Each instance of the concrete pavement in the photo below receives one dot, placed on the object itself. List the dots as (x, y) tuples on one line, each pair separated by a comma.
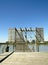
[(27, 58)]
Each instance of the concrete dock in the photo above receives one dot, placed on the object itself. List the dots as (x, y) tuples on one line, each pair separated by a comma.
[(27, 58)]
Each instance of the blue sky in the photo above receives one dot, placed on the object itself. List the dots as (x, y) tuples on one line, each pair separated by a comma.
[(23, 13)]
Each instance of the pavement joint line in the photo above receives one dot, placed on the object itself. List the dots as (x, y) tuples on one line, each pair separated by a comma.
[(6, 57)]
